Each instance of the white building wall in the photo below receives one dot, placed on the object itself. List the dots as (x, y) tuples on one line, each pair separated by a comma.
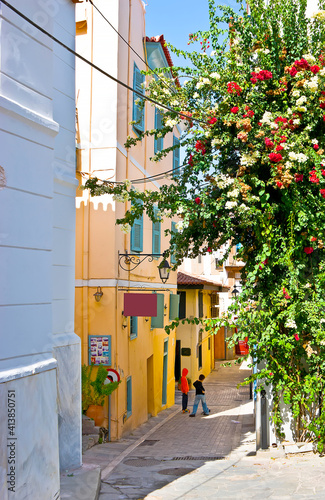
[(37, 251)]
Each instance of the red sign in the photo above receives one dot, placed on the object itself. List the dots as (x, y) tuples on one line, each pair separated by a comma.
[(140, 304)]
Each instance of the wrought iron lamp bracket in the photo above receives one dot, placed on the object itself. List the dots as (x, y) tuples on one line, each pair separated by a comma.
[(133, 260)]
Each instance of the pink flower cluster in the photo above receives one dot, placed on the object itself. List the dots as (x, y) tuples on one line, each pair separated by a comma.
[(285, 293), (313, 177), (200, 146)]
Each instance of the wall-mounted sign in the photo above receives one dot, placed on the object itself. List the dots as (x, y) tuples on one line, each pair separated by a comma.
[(99, 347), (186, 351), (140, 304)]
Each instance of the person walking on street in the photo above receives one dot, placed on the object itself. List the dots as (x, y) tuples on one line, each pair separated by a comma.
[(199, 396), (184, 388)]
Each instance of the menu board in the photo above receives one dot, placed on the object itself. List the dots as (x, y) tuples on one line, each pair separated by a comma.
[(100, 350)]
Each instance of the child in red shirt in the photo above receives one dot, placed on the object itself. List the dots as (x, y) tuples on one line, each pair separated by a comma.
[(184, 389)]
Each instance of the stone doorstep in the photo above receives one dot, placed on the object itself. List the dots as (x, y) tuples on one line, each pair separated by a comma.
[(298, 447)]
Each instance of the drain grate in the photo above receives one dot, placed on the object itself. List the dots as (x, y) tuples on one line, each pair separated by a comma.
[(206, 459), (149, 442)]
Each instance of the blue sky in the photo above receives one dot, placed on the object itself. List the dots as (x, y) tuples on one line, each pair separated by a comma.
[(175, 19)]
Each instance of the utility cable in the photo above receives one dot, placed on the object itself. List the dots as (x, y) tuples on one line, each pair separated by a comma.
[(100, 70), (127, 43)]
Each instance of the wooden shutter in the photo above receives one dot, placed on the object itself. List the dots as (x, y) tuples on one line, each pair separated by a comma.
[(215, 305), (158, 321), (156, 234), (172, 256), (173, 306), (137, 236), (129, 396), (138, 110), (158, 125), (200, 305), (133, 327), (182, 305), (176, 153)]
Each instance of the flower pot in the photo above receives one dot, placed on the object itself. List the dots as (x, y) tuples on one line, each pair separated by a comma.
[(97, 414)]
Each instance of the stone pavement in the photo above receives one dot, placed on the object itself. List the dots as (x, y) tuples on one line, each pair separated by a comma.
[(207, 457)]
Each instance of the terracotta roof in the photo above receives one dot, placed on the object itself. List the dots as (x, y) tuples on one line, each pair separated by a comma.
[(160, 39), (191, 280)]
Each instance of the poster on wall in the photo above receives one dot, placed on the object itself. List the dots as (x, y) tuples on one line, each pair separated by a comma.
[(100, 349)]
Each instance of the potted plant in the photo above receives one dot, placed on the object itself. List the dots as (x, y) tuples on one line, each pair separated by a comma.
[(95, 391)]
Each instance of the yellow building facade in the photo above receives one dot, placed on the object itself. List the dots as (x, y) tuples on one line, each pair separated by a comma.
[(136, 347)]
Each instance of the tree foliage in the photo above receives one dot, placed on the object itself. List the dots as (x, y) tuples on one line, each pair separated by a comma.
[(253, 107)]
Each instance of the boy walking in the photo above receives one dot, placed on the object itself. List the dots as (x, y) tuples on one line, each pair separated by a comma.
[(199, 396), (184, 389)]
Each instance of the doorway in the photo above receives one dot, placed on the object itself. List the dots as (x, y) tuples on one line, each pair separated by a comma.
[(150, 393), (177, 360)]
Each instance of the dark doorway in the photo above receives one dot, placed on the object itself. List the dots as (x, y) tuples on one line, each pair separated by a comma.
[(178, 360)]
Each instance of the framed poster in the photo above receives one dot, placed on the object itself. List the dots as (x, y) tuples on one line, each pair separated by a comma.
[(99, 348)]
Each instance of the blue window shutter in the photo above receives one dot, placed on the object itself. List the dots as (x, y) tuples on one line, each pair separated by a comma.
[(129, 396), (173, 306), (172, 256), (136, 243), (175, 157), (158, 321), (138, 111), (133, 327), (156, 234), (158, 125)]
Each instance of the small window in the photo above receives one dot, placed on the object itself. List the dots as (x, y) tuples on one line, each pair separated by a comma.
[(182, 305), (133, 327), (200, 305), (156, 234), (129, 397), (138, 109), (172, 256), (176, 154), (136, 243), (159, 142)]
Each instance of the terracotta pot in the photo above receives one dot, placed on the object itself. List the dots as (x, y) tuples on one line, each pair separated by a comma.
[(97, 414)]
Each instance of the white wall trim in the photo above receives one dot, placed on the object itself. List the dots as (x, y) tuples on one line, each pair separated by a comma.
[(27, 371), (93, 283), (145, 172), (121, 149)]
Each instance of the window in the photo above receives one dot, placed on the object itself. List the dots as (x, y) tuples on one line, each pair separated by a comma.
[(129, 397), (159, 142), (200, 305), (133, 327), (215, 305), (156, 234), (182, 305), (136, 243), (172, 256), (176, 152), (138, 109), (165, 367)]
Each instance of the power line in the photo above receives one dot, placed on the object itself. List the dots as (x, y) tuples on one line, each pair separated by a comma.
[(142, 96), (127, 43)]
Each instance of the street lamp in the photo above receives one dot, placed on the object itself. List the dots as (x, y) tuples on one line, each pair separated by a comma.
[(235, 292), (133, 260)]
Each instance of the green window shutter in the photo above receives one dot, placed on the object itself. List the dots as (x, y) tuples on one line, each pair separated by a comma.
[(156, 234), (158, 125), (138, 110), (136, 243), (133, 327), (129, 396), (200, 305), (176, 153), (173, 306), (158, 321), (172, 256)]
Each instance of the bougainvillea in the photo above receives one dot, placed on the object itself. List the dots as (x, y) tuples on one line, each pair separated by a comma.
[(253, 108)]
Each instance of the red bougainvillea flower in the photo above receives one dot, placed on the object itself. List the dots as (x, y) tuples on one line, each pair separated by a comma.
[(293, 71), (279, 147), (279, 184), (263, 263), (233, 87), (275, 157), (322, 105), (322, 192), (198, 200), (308, 250), (302, 64), (234, 110), (268, 143), (285, 293), (212, 120), (259, 124), (316, 147), (313, 177), (296, 336), (280, 119), (283, 138), (264, 74), (209, 249), (313, 238), (190, 160), (324, 118), (299, 177), (199, 146), (314, 69)]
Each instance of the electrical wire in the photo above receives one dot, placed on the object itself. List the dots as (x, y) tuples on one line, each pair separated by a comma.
[(127, 43), (100, 70)]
